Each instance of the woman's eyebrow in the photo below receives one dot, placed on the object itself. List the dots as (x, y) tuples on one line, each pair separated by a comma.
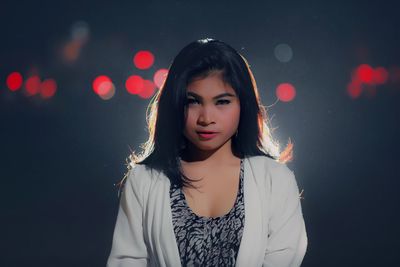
[(215, 97)]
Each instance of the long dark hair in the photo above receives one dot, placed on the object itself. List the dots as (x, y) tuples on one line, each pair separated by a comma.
[(165, 114)]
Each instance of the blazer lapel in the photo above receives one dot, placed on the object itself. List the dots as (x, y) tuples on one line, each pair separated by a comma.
[(169, 240), (250, 250)]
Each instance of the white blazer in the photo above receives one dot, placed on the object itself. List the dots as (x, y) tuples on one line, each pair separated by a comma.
[(274, 233)]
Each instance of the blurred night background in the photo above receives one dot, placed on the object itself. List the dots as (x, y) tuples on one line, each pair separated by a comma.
[(76, 79)]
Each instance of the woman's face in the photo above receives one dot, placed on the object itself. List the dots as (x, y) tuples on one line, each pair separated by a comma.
[(212, 106)]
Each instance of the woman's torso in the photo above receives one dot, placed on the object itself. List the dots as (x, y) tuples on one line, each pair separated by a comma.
[(210, 232)]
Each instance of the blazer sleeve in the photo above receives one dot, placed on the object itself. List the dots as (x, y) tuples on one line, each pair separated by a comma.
[(287, 238), (128, 246)]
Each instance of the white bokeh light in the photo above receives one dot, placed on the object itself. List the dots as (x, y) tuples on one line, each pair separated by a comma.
[(283, 52)]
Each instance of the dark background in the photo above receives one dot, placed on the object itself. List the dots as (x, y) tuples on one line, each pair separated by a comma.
[(61, 157)]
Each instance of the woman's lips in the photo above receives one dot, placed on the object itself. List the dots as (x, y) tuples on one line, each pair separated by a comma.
[(207, 135)]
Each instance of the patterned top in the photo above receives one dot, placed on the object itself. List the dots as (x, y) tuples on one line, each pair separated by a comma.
[(207, 241)]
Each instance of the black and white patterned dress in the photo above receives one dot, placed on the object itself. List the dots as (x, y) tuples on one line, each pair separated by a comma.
[(204, 241)]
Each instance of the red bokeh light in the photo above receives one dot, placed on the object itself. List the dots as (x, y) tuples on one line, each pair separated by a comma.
[(32, 85), (159, 77), (101, 83), (48, 88), (364, 73), (380, 76), (285, 92), (14, 81), (148, 89), (143, 59), (134, 84), (354, 89)]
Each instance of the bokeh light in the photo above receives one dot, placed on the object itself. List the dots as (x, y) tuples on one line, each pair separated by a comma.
[(285, 92), (365, 78), (14, 81), (103, 87), (48, 88), (364, 73), (71, 51), (159, 77), (98, 81), (354, 89), (380, 75), (79, 37), (148, 89), (283, 52), (32, 85), (106, 90), (134, 84), (143, 59), (80, 31)]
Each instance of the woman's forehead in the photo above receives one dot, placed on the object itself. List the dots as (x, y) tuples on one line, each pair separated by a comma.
[(210, 85)]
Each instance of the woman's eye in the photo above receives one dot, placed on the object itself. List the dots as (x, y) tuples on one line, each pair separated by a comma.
[(191, 100), (224, 101)]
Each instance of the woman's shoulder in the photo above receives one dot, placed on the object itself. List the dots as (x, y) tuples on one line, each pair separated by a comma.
[(136, 178), (269, 163), (275, 172), (140, 174)]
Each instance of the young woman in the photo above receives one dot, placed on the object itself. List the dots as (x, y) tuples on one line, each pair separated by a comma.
[(211, 187)]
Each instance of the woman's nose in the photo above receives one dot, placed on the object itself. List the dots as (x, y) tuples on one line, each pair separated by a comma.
[(205, 116)]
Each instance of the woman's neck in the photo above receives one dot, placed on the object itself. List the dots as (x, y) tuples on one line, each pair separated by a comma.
[(222, 155)]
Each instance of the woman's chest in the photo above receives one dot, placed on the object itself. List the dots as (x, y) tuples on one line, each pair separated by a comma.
[(216, 192)]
